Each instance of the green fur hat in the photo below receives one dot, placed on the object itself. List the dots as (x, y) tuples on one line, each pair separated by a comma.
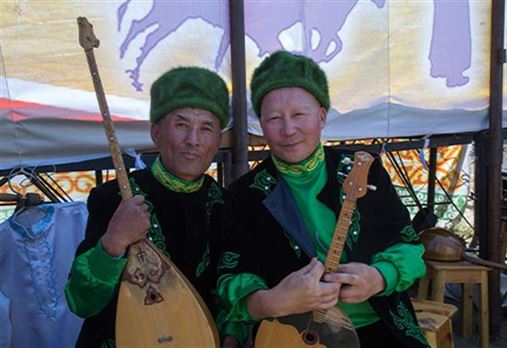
[(189, 87), (284, 69)]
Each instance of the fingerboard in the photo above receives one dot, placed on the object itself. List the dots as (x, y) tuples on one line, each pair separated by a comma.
[(355, 187), (340, 236)]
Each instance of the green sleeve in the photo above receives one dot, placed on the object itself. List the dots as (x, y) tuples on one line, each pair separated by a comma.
[(231, 328), (400, 265), (94, 278), (233, 290)]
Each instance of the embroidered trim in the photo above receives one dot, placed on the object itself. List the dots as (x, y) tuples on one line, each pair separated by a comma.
[(204, 262), (155, 231), (228, 260), (293, 244), (214, 195), (405, 321), (264, 181), (109, 343), (408, 234), (40, 256), (305, 166), (355, 227), (172, 182), (344, 168)]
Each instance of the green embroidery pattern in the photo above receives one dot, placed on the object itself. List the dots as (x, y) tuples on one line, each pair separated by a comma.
[(408, 234), (214, 197), (355, 227), (228, 260), (293, 244), (305, 166), (264, 181), (405, 321), (204, 263), (109, 343), (344, 168), (155, 231), (173, 183)]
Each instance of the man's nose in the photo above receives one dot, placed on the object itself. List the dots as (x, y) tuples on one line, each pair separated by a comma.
[(192, 137), (288, 127)]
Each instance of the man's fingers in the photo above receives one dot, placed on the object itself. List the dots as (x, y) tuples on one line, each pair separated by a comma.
[(350, 295), (329, 304), (138, 199), (328, 291), (317, 270), (307, 268), (351, 267), (345, 278)]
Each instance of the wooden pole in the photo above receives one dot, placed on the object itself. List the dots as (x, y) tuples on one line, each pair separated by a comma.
[(431, 178), (240, 130), (494, 145)]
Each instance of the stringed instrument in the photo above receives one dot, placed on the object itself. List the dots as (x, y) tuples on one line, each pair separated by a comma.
[(441, 244), (323, 328), (157, 305)]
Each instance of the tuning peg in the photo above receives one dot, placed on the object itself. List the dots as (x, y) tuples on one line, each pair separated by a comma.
[(372, 187), (347, 160)]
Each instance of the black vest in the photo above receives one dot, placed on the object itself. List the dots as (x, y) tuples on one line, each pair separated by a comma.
[(191, 224), (271, 238)]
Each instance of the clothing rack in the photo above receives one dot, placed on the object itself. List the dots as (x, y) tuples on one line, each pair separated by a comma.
[(28, 200), (41, 180)]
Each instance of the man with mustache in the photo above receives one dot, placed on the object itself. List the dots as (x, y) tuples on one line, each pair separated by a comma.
[(286, 211), (175, 204)]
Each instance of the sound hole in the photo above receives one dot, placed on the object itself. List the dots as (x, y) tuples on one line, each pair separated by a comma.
[(310, 337)]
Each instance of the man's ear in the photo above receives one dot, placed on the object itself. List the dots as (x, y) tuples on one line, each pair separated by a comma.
[(323, 117), (155, 134)]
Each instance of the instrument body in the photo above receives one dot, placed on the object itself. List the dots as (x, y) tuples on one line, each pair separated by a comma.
[(443, 245), (323, 328), (157, 305)]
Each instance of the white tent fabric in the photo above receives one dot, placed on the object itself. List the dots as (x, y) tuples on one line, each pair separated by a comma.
[(394, 68)]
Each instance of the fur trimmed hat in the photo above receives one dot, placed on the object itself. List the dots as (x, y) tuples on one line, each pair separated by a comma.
[(189, 87), (284, 69)]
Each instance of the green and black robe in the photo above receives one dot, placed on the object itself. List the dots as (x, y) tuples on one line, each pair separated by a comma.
[(280, 226), (186, 224)]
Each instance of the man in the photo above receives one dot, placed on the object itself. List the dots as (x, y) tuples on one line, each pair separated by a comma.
[(287, 209), (175, 204)]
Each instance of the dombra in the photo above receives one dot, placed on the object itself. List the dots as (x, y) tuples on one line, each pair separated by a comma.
[(443, 245), (323, 328), (157, 306)]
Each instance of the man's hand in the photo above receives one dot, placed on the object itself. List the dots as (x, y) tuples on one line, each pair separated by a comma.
[(359, 281), (129, 224), (299, 292)]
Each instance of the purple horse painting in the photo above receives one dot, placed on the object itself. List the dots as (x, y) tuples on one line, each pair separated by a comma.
[(265, 21)]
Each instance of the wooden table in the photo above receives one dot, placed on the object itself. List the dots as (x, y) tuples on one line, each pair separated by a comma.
[(467, 274)]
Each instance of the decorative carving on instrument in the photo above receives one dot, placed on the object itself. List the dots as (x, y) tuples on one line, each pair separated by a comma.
[(146, 268)]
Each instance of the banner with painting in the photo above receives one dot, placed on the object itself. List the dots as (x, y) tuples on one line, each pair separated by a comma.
[(395, 68)]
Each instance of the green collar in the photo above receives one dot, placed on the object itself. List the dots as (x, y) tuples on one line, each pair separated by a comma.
[(172, 182), (308, 165)]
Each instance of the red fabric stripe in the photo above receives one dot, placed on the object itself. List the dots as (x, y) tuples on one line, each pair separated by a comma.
[(19, 110)]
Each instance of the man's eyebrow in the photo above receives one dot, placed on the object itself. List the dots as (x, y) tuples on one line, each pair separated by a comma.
[(181, 117), (208, 123)]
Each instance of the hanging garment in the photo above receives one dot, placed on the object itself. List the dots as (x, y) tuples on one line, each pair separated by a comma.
[(37, 246), (5, 323)]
